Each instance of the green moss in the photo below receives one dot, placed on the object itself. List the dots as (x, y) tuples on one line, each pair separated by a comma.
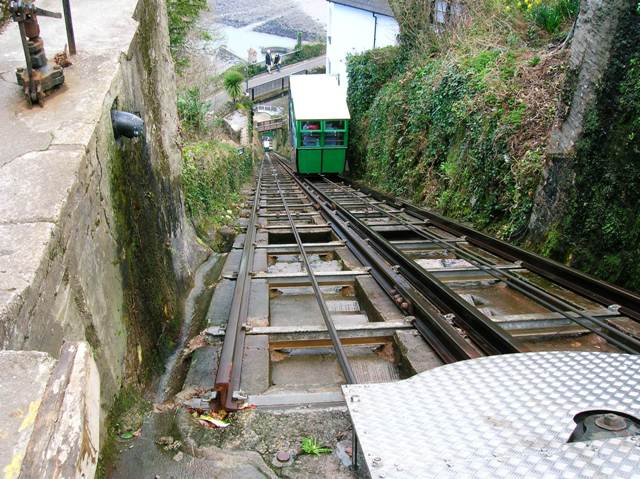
[(182, 15), (144, 222), (568, 91), (126, 416)]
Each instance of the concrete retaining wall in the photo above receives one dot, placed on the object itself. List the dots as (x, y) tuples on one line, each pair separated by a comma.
[(73, 224)]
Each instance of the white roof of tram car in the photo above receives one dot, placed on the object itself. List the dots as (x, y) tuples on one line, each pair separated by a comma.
[(318, 97)]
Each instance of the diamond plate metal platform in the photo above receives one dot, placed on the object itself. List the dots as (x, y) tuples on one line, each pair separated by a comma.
[(499, 417)]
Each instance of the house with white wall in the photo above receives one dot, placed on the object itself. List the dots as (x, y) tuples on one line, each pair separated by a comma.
[(356, 26)]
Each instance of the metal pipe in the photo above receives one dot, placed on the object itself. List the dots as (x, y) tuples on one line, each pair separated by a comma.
[(68, 21)]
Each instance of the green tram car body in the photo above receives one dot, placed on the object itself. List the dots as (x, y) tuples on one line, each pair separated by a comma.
[(319, 127)]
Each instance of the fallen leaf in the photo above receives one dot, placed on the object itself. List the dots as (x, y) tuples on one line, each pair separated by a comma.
[(213, 421)]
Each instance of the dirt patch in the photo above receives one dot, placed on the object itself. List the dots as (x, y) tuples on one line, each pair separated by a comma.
[(269, 432)]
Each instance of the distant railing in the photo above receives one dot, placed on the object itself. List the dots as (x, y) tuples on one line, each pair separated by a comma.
[(284, 60), (269, 125), (277, 110)]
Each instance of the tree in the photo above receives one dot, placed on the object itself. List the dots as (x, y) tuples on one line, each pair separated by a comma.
[(233, 84), (603, 32)]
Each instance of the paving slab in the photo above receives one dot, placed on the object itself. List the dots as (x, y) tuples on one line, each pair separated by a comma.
[(22, 249), (24, 378), (255, 365), (259, 303), (35, 186), (417, 354)]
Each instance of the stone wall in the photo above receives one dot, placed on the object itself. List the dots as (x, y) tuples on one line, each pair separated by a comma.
[(94, 242)]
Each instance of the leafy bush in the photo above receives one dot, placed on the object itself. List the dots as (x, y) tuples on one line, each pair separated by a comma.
[(232, 83), (212, 175), (368, 73), (192, 109), (182, 14), (549, 15), (452, 132)]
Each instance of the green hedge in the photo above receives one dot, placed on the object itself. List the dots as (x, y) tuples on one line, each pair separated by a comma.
[(439, 135), (212, 175)]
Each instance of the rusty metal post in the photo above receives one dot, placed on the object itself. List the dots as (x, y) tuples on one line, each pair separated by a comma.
[(68, 21)]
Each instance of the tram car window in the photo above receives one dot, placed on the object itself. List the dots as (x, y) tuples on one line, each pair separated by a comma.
[(319, 124)]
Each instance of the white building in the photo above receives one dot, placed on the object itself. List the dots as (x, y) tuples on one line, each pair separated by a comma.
[(356, 26)]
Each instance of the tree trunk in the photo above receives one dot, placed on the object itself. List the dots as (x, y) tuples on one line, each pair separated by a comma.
[(594, 41)]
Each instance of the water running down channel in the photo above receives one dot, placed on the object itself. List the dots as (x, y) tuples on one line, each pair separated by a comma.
[(194, 309)]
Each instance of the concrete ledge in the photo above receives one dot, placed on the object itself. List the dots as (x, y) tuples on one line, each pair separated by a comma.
[(55, 409)]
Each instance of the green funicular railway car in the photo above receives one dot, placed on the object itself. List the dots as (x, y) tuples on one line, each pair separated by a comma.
[(319, 124)]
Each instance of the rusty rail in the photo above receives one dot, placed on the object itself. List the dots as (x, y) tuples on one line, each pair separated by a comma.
[(227, 383), (550, 301)]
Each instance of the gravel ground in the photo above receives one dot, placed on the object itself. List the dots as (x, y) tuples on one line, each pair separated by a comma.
[(270, 432), (277, 17), (293, 22)]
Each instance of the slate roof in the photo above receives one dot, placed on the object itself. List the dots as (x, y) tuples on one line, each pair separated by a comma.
[(375, 6)]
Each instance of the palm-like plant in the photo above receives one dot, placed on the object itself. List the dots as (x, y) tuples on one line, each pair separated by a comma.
[(233, 84)]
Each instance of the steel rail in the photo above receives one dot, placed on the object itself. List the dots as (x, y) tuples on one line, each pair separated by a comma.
[(558, 305), (491, 338), (444, 338), (574, 280), (227, 381), (341, 354)]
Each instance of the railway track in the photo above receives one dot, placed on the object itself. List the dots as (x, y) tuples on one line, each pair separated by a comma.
[(380, 270)]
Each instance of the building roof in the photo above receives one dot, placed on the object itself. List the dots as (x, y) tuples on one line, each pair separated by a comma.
[(375, 6), (318, 97)]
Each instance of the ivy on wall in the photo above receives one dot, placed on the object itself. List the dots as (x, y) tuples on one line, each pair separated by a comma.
[(442, 134)]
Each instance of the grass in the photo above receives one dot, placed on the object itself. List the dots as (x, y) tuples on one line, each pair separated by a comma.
[(311, 446), (548, 15)]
